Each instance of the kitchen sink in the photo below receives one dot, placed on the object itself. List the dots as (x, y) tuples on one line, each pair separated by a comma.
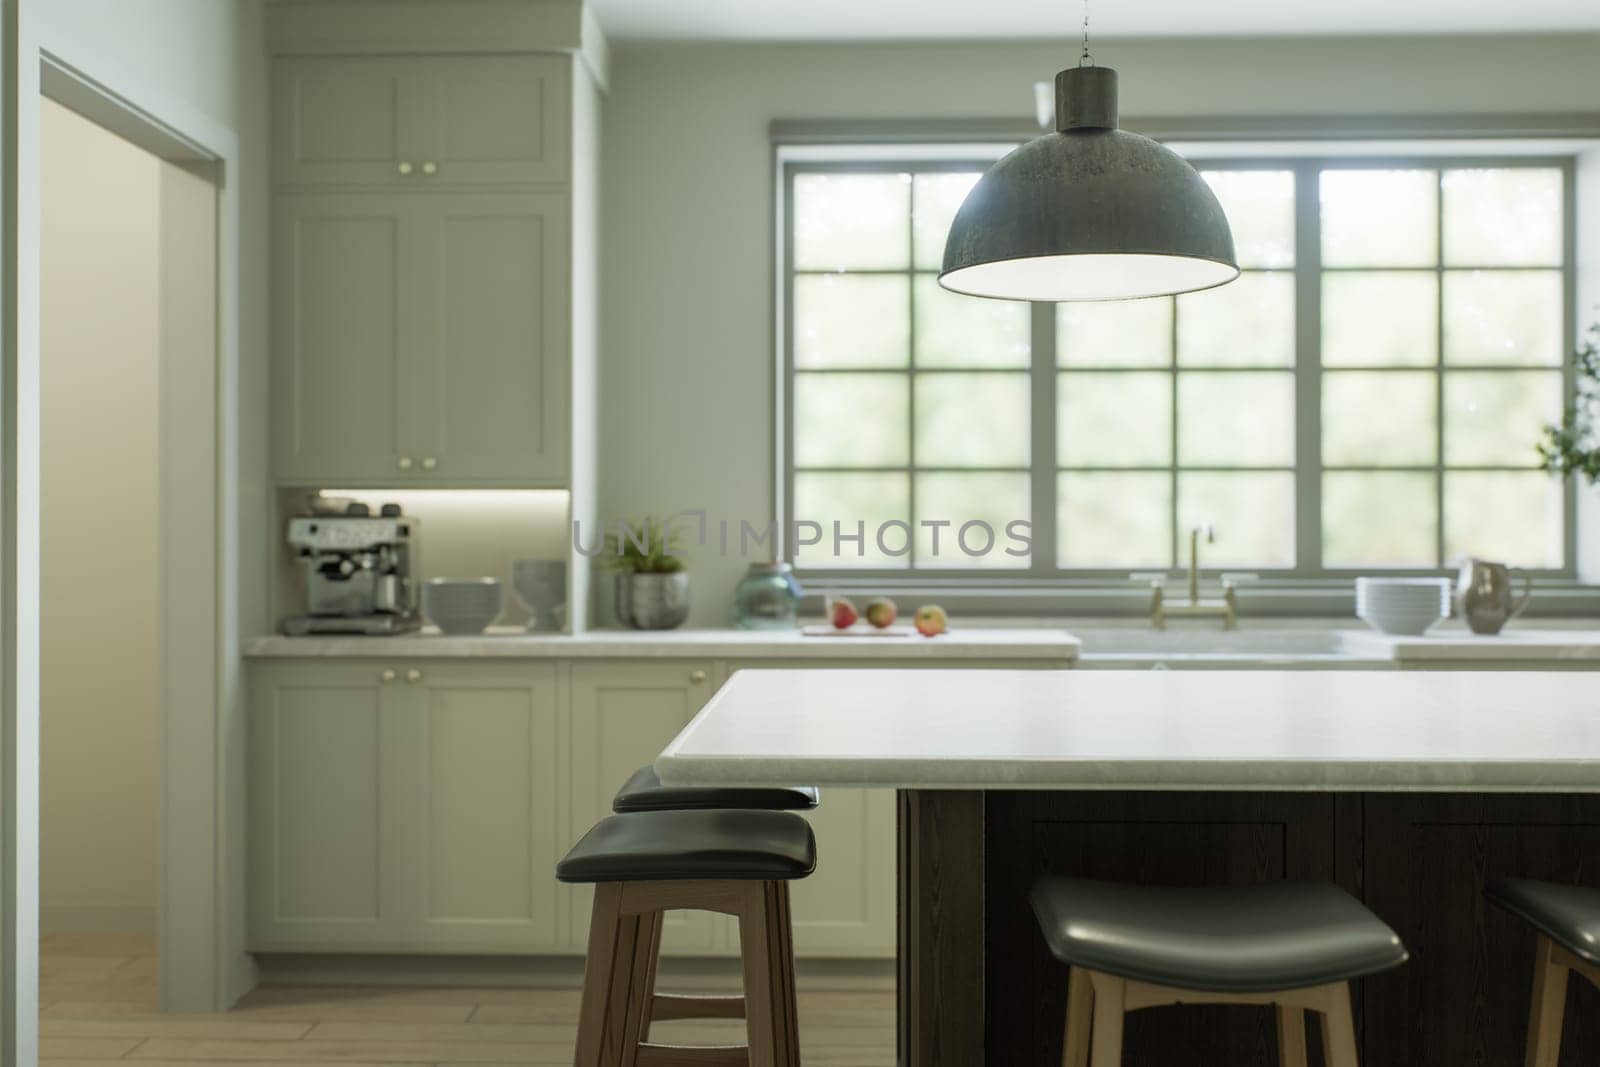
[(1123, 647)]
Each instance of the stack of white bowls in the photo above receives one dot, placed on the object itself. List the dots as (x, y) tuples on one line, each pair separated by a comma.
[(1402, 606), (464, 606)]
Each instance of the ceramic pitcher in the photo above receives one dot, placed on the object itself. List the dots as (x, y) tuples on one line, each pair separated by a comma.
[(1484, 597)]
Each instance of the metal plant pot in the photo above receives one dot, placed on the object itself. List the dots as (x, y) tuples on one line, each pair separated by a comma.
[(653, 601)]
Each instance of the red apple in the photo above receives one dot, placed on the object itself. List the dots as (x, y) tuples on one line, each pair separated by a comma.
[(931, 620), (881, 612), (844, 613)]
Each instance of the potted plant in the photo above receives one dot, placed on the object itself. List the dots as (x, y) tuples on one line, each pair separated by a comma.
[(652, 586), (1574, 446)]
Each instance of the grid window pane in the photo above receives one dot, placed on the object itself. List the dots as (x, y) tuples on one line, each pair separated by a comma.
[(1506, 515), (972, 420), (1379, 419), (851, 321), (1380, 218), (852, 221), (1379, 519), (980, 509), (1503, 217), (861, 502), (1115, 333), (967, 331), (1114, 419), (1442, 291), (1236, 419), (1494, 418), (851, 420), (1247, 323), (1503, 317), (935, 200), (1260, 209), (1114, 519), (1252, 514), (1380, 319)]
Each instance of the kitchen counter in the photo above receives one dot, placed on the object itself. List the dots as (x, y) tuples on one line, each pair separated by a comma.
[(1463, 646), (505, 643), (1407, 788), (1531, 731)]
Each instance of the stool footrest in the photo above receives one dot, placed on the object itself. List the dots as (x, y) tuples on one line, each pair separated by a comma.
[(664, 1006), (649, 1055)]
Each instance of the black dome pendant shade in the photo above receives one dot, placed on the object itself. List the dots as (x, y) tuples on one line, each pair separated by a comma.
[(1089, 212)]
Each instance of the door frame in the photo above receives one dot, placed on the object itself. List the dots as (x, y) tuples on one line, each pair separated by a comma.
[(202, 962)]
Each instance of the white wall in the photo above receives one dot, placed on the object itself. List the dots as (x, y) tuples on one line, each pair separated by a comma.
[(687, 233), (99, 341)]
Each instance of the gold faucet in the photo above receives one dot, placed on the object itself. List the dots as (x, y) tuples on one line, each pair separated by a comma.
[(1225, 608)]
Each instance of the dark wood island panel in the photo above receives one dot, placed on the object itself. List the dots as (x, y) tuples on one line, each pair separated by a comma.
[(1419, 860)]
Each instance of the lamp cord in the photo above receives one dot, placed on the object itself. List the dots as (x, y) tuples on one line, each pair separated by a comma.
[(1086, 60)]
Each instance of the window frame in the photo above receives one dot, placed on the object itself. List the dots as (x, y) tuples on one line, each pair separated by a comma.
[(1043, 570)]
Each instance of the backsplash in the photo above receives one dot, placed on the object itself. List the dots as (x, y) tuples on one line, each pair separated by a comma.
[(465, 533)]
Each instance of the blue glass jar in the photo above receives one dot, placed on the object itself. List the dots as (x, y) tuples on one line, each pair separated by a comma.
[(767, 598)]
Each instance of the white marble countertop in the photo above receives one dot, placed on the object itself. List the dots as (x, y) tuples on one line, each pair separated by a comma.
[(1476, 731), (1462, 646), (502, 643)]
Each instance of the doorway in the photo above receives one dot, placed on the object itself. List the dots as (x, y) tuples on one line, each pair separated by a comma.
[(128, 296)]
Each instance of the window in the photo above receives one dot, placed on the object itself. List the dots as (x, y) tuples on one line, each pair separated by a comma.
[(1366, 395)]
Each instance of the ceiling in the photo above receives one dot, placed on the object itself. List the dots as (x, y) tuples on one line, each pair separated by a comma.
[(800, 20)]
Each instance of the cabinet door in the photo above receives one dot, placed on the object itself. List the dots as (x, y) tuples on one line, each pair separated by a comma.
[(346, 120), (492, 395), (497, 119), (623, 715), (479, 762), (340, 340), (847, 907), (323, 837)]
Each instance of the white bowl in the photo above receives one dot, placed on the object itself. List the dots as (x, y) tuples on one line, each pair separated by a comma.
[(1402, 606), (462, 606)]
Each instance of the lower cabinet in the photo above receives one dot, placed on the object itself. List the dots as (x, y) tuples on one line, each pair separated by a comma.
[(421, 806), (404, 806)]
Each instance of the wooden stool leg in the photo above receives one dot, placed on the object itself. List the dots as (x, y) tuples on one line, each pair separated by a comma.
[(1548, 1008), (1080, 1012), (1339, 1029), (767, 947), (602, 1016), (641, 986), (1291, 1037), (1105, 1047)]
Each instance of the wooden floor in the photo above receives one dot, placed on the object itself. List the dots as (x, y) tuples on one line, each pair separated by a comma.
[(98, 1005)]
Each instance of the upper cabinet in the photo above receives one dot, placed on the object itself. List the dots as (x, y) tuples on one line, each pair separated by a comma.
[(428, 322), (421, 339), (421, 122)]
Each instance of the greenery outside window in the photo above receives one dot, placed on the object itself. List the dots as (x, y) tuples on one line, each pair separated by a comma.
[(1367, 396)]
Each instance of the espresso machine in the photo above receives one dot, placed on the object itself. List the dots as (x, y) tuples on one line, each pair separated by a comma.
[(358, 572)]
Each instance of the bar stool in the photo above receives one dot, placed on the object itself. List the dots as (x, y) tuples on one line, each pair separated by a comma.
[(1567, 918), (643, 791), (1292, 945), (736, 862)]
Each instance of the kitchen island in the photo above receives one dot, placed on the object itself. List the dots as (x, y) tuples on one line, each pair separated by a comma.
[(1409, 789)]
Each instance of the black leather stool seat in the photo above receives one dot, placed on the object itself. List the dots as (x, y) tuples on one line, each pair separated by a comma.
[(1568, 914), (1220, 939), (719, 845), (644, 792)]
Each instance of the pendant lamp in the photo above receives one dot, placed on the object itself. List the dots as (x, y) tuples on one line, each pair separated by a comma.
[(1089, 212)]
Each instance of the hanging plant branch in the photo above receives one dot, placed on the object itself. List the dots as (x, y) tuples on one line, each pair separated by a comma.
[(1573, 447)]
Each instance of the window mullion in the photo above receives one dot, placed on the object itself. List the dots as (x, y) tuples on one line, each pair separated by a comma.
[(1308, 369), (1042, 470)]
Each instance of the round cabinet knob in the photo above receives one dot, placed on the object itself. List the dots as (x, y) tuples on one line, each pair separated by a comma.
[(428, 463), (430, 167), (413, 675), (696, 677), (404, 463), (386, 676), (404, 168)]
